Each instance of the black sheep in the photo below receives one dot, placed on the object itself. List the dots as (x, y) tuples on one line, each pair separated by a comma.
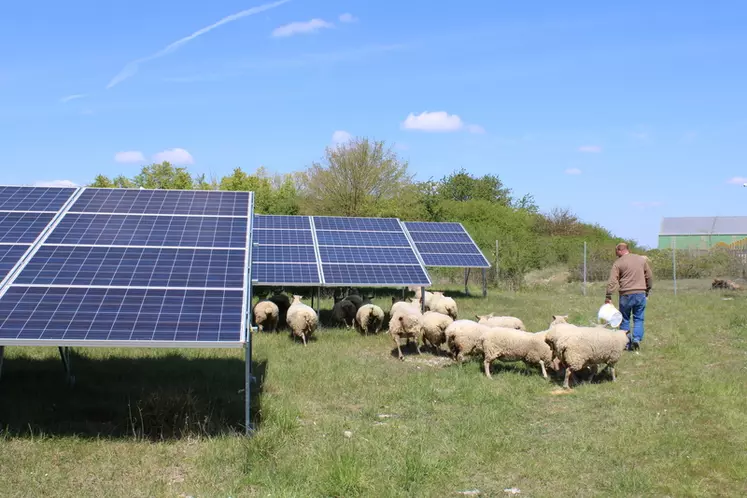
[(344, 311)]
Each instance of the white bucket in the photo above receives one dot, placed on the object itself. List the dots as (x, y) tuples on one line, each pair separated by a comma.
[(609, 314)]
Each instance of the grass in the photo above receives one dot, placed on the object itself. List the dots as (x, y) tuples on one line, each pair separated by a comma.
[(167, 423)]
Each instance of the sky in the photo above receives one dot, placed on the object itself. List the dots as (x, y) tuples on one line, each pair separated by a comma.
[(624, 112)]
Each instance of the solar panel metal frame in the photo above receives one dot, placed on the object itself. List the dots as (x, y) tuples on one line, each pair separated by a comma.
[(411, 244), (244, 335), (464, 230), (314, 245), (5, 281)]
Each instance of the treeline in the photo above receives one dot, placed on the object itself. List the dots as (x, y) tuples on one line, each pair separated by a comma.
[(367, 178)]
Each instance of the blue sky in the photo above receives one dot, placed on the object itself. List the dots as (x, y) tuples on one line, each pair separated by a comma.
[(623, 111)]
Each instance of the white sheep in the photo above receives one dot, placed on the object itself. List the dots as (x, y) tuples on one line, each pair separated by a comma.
[(404, 307), (369, 318), (510, 322), (266, 315), (418, 294), (405, 325), (434, 326), (463, 338), (301, 319), (509, 344), (592, 346), (443, 304)]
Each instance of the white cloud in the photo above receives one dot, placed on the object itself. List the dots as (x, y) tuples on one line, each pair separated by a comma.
[(68, 98), (340, 137), (301, 27), (132, 67), (130, 156), (433, 121), (55, 183), (573, 171), (737, 180), (347, 17), (174, 156), (590, 148), (646, 204)]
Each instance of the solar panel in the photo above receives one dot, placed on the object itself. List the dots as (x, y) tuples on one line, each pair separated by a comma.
[(367, 251), (445, 244), (9, 257), (283, 251), (46, 199), (136, 267), (23, 228)]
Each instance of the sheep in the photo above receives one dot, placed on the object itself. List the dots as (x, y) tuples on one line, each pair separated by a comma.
[(510, 322), (283, 303), (508, 344), (344, 312), (302, 319), (369, 317), (592, 346), (434, 327), (443, 304), (418, 296), (463, 338), (403, 324), (266, 315), (404, 307), (356, 300)]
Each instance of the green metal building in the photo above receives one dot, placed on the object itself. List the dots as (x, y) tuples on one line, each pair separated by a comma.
[(703, 232)]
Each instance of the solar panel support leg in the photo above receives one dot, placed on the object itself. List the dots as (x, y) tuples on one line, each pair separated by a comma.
[(422, 299), (65, 355), (318, 303), (466, 281), (2, 355), (248, 388), (484, 283)]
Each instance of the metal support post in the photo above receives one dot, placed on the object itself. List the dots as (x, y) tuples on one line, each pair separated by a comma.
[(484, 282), (2, 355), (65, 356), (584, 268), (466, 281), (248, 387), (422, 299)]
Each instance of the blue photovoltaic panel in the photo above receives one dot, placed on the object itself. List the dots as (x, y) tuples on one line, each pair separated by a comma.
[(283, 254), (283, 237), (23, 228), (355, 224), (173, 275), (134, 267), (50, 199), (445, 244), (95, 314), (136, 230), (9, 256), (347, 274), (447, 248), (440, 237), (194, 202), (371, 239), (282, 222), (285, 273), (369, 255), (367, 251)]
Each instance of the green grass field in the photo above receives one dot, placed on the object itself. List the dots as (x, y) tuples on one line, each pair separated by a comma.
[(168, 423)]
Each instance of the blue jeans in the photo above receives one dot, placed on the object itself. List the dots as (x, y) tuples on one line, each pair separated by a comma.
[(635, 304)]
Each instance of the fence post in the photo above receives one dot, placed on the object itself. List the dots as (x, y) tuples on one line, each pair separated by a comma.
[(584, 268), (497, 267), (674, 263)]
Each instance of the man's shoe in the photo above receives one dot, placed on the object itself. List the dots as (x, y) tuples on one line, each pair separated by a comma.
[(635, 346)]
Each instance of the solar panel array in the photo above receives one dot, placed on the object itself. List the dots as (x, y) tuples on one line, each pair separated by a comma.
[(445, 244), (284, 252), (25, 212), (129, 267)]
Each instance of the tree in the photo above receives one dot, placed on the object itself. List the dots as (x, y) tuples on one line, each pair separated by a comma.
[(258, 183), (461, 186), (102, 181), (163, 176), (358, 178), (284, 199)]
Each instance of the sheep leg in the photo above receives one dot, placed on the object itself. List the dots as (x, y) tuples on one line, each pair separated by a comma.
[(568, 373), (544, 372), (612, 371), (395, 338), (486, 365), (303, 338)]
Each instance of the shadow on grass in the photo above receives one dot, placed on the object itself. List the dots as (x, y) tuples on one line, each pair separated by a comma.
[(149, 398)]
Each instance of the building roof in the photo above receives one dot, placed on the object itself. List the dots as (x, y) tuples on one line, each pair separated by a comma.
[(704, 225)]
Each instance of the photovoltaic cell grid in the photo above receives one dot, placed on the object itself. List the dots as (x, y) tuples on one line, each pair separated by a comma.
[(283, 251), (445, 244), (367, 251), (136, 266), (25, 212)]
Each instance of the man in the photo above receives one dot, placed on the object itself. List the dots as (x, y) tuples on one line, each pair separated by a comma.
[(632, 275)]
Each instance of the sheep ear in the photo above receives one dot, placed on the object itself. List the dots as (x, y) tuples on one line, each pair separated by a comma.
[(554, 317)]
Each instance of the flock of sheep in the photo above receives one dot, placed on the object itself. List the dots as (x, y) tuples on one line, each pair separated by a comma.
[(562, 346)]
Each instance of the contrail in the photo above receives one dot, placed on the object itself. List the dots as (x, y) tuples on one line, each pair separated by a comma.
[(131, 68)]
